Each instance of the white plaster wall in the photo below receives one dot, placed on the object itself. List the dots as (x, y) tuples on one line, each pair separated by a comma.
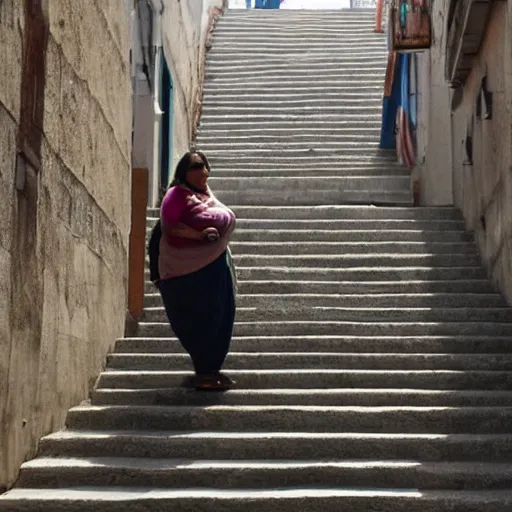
[(185, 26), (435, 149)]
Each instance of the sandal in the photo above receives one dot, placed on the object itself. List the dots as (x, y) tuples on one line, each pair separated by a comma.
[(213, 382), (226, 380)]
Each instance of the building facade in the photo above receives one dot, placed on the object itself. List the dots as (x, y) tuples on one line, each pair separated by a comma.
[(463, 130)]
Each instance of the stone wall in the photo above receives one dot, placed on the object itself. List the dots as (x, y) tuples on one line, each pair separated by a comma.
[(483, 189), (64, 230)]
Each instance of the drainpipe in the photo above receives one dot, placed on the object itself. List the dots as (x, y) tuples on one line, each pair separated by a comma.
[(158, 8), (378, 16)]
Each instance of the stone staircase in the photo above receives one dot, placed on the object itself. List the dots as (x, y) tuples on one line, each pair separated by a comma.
[(372, 355)]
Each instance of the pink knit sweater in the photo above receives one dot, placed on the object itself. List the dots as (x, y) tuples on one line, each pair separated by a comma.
[(181, 256)]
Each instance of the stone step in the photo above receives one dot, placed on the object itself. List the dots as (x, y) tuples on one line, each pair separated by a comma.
[(349, 160), (327, 80), (305, 149), (339, 212), (277, 119), (347, 328), (280, 299), (260, 474), (262, 60), (318, 360), (241, 32), (277, 445), (286, 157), (275, 73), (338, 313), (354, 151), (356, 172), (360, 240), (292, 124), (350, 248), (292, 249), (289, 124), (439, 420), (343, 261), (315, 63), (464, 290), (310, 499), (323, 105), (348, 225), (357, 275), (320, 92), (456, 344), (307, 379), (354, 235), (261, 149), (341, 397), (270, 108), (297, 44), (316, 197), (282, 137)]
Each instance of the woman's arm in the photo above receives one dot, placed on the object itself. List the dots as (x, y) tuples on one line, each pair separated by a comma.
[(183, 231)]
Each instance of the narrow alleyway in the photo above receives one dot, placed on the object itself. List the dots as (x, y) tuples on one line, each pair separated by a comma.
[(372, 356)]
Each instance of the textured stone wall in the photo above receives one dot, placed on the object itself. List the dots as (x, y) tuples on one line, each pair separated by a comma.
[(484, 189), (64, 235)]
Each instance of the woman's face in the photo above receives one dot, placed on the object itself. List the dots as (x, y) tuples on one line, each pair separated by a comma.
[(197, 174)]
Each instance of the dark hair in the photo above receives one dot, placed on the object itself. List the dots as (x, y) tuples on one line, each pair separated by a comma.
[(180, 174)]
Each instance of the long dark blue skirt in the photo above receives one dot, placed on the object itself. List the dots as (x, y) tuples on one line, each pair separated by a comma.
[(201, 310)]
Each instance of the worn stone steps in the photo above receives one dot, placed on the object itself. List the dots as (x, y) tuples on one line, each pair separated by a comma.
[(237, 62), (427, 293), (307, 379), (337, 212), (344, 261), (283, 91), (353, 235), (351, 247), (290, 75), (280, 299), (299, 173), (350, 289), (278, 445), (325, 360), (271, 135), (260, 474), (364, 275), (291, 313), (310, 499), (457, 344), (315, 197), (343, 397), (441, 420), (257, 147), (349, 328), (348, 225)]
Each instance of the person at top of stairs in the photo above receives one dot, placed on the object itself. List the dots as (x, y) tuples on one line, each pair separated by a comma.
[(194, 269)]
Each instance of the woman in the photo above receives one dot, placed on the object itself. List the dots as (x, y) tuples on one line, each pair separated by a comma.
[(195, 270)]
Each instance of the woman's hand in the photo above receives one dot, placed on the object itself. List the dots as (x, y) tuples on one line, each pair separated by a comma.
[(210, 235)]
